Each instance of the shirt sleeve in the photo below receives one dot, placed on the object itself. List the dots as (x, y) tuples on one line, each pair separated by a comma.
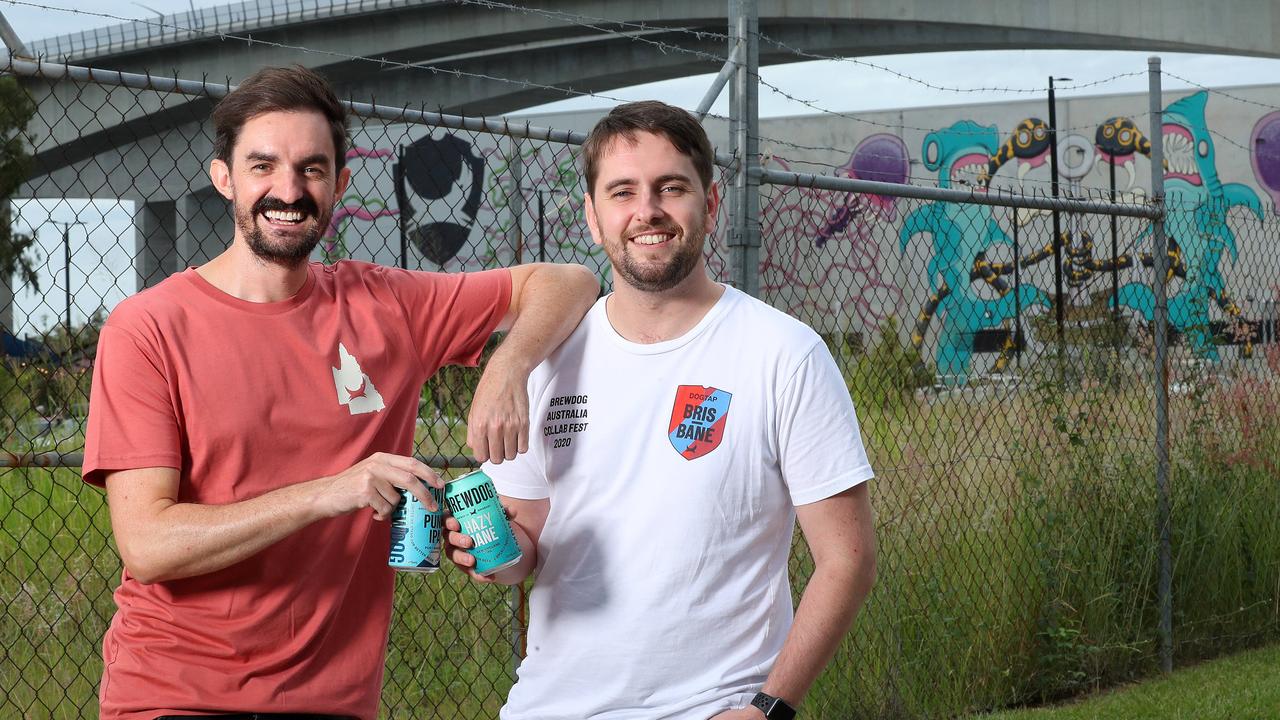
[(819, 442), (132, 421), (451, 315)]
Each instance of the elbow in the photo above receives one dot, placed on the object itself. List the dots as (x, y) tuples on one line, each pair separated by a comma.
[(868, 572), (145, 568), (585, 281)]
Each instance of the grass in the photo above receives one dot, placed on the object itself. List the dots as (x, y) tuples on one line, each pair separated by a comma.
[(1018, 560), (1245, 686)]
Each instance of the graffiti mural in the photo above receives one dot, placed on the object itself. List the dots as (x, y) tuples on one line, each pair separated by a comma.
[(962, 237), (1197, 203)]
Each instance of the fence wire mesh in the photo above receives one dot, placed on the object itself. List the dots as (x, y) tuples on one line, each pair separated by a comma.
[(1012, 434)]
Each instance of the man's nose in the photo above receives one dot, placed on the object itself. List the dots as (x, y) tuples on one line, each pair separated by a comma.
[(649, 208), (288, 187)]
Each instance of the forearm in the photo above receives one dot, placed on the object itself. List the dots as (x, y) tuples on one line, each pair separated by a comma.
[(830, 602), (552, 300), (180, 540)]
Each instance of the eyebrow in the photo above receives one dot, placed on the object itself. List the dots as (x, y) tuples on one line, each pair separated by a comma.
[(260, 156), (679, 177)]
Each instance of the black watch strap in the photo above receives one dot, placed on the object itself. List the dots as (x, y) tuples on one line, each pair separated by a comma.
[(774, 708)]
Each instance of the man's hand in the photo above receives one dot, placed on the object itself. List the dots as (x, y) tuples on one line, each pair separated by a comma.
[(498, 422), (374, 483), (547, 301), (527, 526), (457, 547)]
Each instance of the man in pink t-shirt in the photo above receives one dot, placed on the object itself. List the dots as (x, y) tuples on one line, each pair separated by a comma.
[(252, 422)]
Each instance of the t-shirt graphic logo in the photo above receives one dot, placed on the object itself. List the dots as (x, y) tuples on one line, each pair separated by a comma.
[(355, 389), (698, 420)]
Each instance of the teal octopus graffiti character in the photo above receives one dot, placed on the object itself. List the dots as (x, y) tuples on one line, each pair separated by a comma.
[(1197, 204), (962, 233)]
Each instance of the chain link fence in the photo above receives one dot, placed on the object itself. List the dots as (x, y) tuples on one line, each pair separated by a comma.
[(1013, 435)]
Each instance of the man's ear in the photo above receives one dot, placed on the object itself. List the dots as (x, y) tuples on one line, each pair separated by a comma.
[(713, 207), (340, 187), (220, 174), (589, 209)]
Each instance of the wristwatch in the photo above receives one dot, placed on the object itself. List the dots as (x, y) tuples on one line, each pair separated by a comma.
[(774, 708)]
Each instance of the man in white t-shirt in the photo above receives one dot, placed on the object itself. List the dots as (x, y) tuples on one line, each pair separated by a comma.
[(678, 434)]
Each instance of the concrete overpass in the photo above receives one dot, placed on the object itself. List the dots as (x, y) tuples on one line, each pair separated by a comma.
[(88, 144)]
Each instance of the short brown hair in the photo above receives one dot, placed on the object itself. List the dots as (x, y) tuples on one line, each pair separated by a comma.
[(676, 125), (275, 89)]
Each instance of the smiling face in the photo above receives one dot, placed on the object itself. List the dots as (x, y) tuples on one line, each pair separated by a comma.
[(649, 210), (283, 183)]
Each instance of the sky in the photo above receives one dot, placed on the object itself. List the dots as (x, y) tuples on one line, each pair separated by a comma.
[(840, 86)]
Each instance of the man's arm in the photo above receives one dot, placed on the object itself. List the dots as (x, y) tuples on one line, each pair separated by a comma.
[(841, 535), (528, 517), (162, 539), (547, 302)]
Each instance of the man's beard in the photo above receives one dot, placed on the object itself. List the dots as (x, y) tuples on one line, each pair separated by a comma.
[(655, 277), (289, 251)]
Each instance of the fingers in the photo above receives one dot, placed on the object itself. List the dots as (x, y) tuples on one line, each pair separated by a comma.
[(478, 440), (457, 547), (498, 440)]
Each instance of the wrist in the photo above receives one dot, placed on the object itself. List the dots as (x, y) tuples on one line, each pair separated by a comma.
[(773, 707), (510, 361)]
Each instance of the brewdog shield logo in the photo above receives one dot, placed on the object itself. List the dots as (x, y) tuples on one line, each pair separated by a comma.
[(698, 420)]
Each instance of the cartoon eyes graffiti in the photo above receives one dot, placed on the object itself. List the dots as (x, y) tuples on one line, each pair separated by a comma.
[(1126, 136), (1108, 132), (1203, 148), (931, 153), (1040, 132), (1023, 138)]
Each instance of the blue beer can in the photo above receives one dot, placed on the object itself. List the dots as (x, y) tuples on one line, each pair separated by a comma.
[(473, 500), (415, 534)]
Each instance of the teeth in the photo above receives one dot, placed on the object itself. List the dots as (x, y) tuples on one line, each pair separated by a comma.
[(649, 239), (1178, 149), (280, 216)]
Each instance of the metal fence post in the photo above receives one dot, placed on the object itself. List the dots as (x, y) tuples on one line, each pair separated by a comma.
[(744, 208), (1160, 258)]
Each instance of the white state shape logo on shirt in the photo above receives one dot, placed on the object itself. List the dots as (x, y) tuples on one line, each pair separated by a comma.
[(355, 389)]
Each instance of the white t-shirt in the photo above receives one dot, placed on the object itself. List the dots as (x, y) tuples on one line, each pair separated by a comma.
[(672, 470)]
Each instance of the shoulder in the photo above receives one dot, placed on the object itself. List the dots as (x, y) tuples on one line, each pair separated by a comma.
[(770, 327), (359, 272), (153, 306)]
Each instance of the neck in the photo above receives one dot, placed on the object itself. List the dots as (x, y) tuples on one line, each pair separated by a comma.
[(652, 317), (242, 274)]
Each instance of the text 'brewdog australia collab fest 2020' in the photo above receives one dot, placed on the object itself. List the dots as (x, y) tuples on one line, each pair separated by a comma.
[(415, 534), (473, 500)]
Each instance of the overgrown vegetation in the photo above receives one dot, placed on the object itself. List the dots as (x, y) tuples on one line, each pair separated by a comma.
[(1017, 531)]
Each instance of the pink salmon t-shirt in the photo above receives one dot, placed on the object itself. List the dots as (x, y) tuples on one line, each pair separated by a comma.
[(244, 398)]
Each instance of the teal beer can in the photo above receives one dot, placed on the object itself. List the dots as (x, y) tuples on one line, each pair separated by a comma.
[(415, 534), (473, 500)]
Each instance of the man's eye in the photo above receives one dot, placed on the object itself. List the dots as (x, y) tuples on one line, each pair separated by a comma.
[(673, 189), (622, 194)]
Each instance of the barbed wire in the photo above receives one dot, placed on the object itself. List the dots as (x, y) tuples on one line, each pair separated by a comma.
[(934, 86), (580, 20), (586, 20), (382, 62), (1223, 93)]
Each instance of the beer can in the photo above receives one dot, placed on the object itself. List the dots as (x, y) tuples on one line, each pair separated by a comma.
[(415, 533), (473, 500)]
